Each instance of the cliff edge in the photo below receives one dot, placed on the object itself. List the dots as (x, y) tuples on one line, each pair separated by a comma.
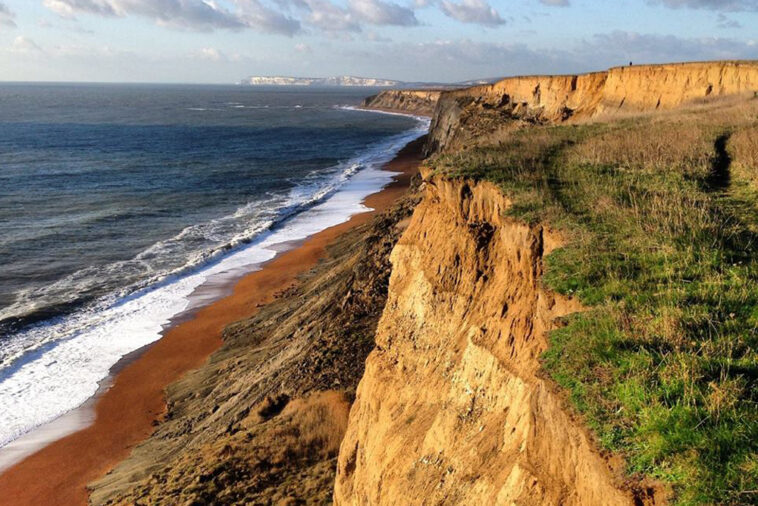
[(481, 390), (420, 102), (473, 114), (450, 409)]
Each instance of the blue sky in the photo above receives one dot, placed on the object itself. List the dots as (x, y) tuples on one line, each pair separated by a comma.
[(222, 41)]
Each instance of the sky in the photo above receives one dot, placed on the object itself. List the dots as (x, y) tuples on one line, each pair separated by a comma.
[(223, 41)]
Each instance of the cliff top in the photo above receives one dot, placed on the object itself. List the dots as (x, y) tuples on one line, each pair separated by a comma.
[(660, 217)]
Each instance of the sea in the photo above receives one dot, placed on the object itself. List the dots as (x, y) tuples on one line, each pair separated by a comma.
[(119, 202)]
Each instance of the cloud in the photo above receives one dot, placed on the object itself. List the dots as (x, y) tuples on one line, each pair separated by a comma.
[(69, 8), (330, 17), (24, 45), (556, 3), (375, 37), (716, 5), (255, 15), (464, 59), (186, 14), (454, 60), (210, 54), (379, 12), (472, 11), (618, 47), (303, 48), (7, 16), (326, 16), (725, 22)]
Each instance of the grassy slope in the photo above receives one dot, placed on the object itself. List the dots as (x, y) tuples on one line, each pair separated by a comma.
[(661, 217)]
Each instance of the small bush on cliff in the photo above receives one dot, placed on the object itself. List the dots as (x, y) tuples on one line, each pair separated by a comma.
[(662, 219)]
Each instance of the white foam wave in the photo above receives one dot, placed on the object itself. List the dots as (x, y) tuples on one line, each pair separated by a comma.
[(423, 119), (195, 245), (77, 351)]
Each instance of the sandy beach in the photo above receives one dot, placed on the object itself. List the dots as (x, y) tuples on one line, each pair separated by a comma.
[(128, 411)]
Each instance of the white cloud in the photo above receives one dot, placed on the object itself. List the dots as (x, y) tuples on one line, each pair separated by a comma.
[(255, 15), (330, 17), (556, 3), (7, 16), (303, 48), (187, 14), (69, 8), (210, 54), (379, 12), (24, 45), (326, 16), (717, 5), (472, 11)]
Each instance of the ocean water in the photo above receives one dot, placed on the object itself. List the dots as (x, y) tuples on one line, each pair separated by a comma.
[(117, 202)]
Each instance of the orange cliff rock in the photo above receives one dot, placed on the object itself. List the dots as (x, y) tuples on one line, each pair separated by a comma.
[(554, 99), (420, 102), (451, 408)]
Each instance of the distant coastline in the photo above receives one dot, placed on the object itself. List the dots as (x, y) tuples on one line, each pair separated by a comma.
[(352, 81), (320, 81)]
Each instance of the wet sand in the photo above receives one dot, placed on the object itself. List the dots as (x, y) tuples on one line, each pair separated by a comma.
[(126, 413)]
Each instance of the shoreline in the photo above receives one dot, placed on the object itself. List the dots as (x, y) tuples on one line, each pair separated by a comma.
[(390, 111), (126, 413)]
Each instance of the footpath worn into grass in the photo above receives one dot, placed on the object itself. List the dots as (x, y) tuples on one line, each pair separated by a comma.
[(660, 216)]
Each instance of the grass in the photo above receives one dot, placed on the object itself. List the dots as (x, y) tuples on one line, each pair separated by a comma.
[(661, 216)]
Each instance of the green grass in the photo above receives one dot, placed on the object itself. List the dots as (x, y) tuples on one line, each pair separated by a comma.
[(662, 249)]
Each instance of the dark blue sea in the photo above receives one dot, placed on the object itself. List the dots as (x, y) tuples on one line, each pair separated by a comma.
[(117, 202)]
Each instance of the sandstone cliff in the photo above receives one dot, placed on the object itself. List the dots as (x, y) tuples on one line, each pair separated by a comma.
[(451, 409), (421, 102), (470, 114)]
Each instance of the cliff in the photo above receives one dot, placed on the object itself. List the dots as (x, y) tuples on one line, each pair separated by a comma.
[(421, 102), (460, 400), (489, 382), (478, 112), (451, 408)]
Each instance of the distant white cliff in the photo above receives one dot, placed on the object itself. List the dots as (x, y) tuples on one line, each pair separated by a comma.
[(319, 81)]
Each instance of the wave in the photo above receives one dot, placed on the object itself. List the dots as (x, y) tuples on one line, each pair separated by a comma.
[(422, 119), (55, 365), (191, 245)]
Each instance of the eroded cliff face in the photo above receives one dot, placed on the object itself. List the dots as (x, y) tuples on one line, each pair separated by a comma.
[(469, 115), (451, 408), (422, 102)]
